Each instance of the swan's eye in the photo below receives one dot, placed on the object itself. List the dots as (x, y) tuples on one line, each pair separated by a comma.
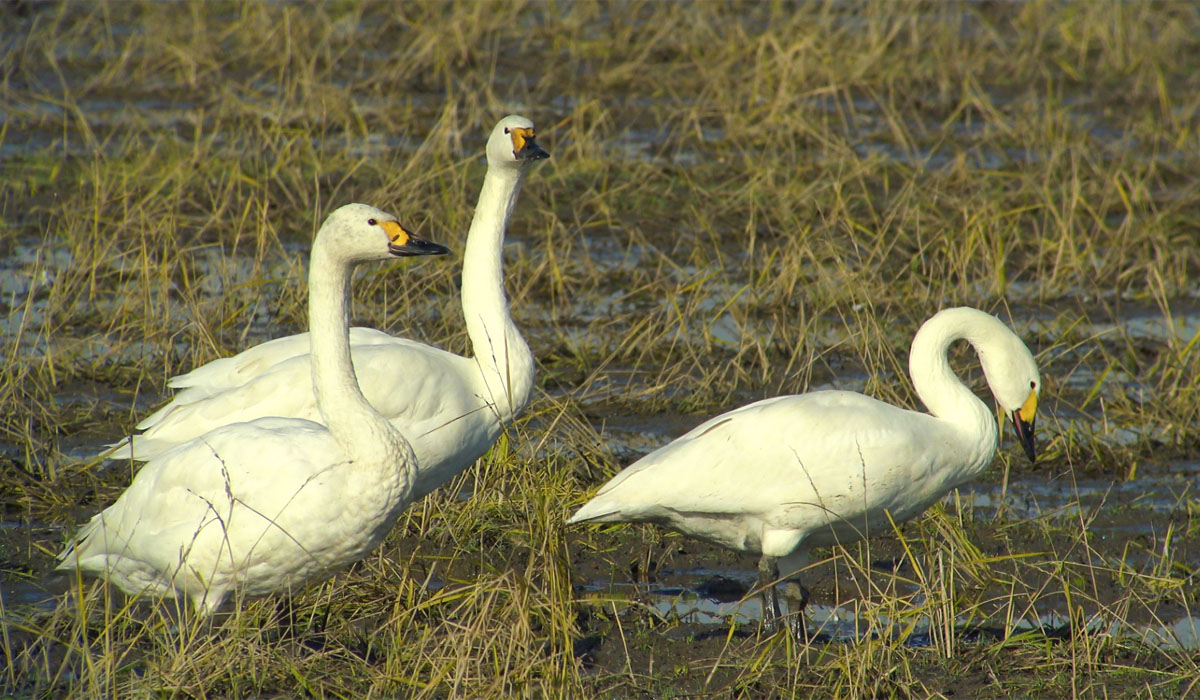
[(372, 222), (506, 129), (1032, 385)]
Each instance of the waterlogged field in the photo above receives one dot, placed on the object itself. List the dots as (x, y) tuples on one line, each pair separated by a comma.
[(744, 200)]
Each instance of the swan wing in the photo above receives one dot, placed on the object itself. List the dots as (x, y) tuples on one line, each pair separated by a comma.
[(785, 458), (227, 372), (431, 395)]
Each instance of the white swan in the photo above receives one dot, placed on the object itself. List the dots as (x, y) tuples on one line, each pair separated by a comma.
[(781, 476), (452, 408), (267, 505)]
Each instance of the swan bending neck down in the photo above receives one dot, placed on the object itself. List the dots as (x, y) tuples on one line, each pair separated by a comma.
[(270, 504), (781, 476), (452, 408)]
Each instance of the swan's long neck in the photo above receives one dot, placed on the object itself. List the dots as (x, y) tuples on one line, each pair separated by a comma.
[(942, 392), (503, 356), (363, 433)]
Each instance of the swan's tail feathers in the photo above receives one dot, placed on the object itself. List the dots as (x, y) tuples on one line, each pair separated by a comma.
[(68, 559), (222, 372), (591, 513), (121, 449), (126, 449), (139, 448)]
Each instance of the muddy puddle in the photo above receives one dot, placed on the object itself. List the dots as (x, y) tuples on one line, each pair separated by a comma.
[(705, 601), (716, 602), (1142, 524)]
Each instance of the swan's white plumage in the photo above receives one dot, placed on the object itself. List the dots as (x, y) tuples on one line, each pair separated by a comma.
[(783, 475), (452, 408), (742, 464), (229, 523), (229, 372), (269, 504)]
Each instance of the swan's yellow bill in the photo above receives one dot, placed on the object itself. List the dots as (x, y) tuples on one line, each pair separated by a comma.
[(1023, 421), (396, 233), (1029, 409), (524, 147), (402, 243)]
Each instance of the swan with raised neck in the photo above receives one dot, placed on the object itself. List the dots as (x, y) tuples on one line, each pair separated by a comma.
[(503, 356), (267, 505), (452, 408)]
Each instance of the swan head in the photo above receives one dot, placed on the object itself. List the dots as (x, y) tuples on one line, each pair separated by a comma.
[(361, 233), (512, 142), (1013, 377)]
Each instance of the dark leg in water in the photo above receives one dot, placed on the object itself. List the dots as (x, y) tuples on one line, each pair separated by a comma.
[(768, 573), (797, 599), (795, 595)]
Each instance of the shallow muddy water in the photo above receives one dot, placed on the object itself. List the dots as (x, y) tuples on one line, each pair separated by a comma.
[(1130, 525)]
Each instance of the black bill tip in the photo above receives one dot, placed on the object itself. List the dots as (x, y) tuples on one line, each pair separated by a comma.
[(531, 151), (417, 246), (1024, 430)]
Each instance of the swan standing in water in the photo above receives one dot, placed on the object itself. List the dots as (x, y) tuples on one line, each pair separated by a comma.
[(781, 476), (269, 504), (452, 408)]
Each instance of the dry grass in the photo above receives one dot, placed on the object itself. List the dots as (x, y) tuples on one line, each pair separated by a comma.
[(743, 200)]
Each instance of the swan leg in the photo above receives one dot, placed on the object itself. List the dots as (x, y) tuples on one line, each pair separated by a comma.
[(797, 599), (795, 594), (768, 573)]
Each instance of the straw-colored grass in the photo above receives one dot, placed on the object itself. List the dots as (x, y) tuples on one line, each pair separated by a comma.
[(744, 199)]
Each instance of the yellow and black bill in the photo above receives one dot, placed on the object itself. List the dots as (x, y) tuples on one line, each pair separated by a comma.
[(401, 243), (1023, 420), (524, 147)]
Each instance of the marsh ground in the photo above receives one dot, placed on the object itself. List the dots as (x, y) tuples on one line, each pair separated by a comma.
[(744, 200)]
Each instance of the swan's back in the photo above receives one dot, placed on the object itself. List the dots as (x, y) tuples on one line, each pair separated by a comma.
[(228, 372), (436, 396), (794, 462)]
